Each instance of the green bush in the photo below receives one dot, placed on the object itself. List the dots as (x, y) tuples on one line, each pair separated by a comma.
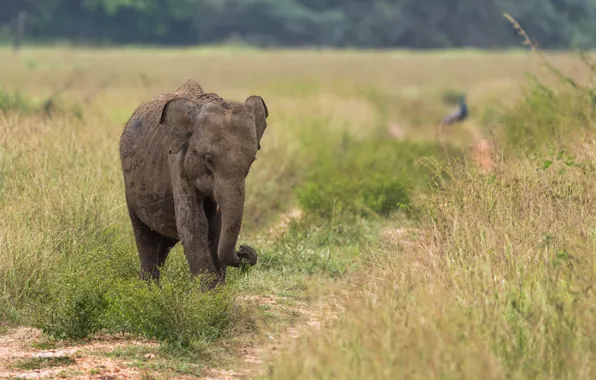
[(76, 308), (369, 177), (176, 311), (15, 101), (375, 193), (19, 103), (87, 296)]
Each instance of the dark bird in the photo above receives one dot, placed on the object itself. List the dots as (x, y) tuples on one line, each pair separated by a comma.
[(458, 115)]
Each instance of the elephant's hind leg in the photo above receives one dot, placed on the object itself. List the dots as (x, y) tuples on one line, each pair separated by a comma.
[(153, 248)]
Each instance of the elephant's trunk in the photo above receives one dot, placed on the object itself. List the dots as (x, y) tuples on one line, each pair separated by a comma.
[(231, 206)]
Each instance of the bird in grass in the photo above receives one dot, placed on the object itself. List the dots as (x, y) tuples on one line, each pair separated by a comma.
[(460, 114)]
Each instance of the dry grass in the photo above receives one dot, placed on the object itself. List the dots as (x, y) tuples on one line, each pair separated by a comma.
[(499, 286), (497, 282), (499, 289)]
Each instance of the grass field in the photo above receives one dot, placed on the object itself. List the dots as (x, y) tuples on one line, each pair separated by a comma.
[(385, 251)]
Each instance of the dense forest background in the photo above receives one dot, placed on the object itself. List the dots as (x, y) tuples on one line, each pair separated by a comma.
[(342, 23)]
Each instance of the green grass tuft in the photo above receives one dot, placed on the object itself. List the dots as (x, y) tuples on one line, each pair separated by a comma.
[(16, 102), (367, 178), (43, 362)]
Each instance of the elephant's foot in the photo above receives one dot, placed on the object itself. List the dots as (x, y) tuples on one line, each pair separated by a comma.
[(248, 253)]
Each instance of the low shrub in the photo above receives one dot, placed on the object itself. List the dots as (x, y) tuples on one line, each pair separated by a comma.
[(176, 311), (87, 296), (76, 308), (15, 101), (369, 177)]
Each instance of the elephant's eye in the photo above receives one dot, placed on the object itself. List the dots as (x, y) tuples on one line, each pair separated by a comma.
[(209, 161)]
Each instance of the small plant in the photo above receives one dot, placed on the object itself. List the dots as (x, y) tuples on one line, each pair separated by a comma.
[(85, 298), (16, 102), (43, 362), (176, 311), (44, 345), (76, 309)]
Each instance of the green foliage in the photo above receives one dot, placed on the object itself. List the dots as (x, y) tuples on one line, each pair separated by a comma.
[(368, 177), (377, 193), (77, 307), (16, 102), (548, 117), (176, 312), (39, 363), (378, 23), (86, 297), (313, 245)]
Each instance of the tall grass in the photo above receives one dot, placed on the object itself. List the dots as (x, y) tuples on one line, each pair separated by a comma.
[(69, 263), (501, 288), (498, 280)]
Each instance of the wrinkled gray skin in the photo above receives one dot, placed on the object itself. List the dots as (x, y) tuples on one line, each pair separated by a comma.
[(185, 156)]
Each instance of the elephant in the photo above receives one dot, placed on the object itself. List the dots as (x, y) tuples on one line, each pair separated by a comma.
[(185, 156)]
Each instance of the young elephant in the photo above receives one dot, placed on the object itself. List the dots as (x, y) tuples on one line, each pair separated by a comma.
[(185, 156)]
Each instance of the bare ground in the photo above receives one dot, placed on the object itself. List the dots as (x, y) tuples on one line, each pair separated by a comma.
[(18, 351)]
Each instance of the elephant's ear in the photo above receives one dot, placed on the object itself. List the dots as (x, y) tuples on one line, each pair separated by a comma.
[(177, 117), (257, 106)]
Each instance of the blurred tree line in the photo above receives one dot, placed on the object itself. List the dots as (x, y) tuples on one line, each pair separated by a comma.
[(344, 23)]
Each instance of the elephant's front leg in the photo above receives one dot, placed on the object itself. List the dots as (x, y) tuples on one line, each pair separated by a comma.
[(214, 221), (193, 229)]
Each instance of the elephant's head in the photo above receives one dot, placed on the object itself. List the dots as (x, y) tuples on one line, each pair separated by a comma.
[(219, 141)]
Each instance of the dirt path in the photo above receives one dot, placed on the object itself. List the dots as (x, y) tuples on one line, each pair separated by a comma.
[(24, 353)]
